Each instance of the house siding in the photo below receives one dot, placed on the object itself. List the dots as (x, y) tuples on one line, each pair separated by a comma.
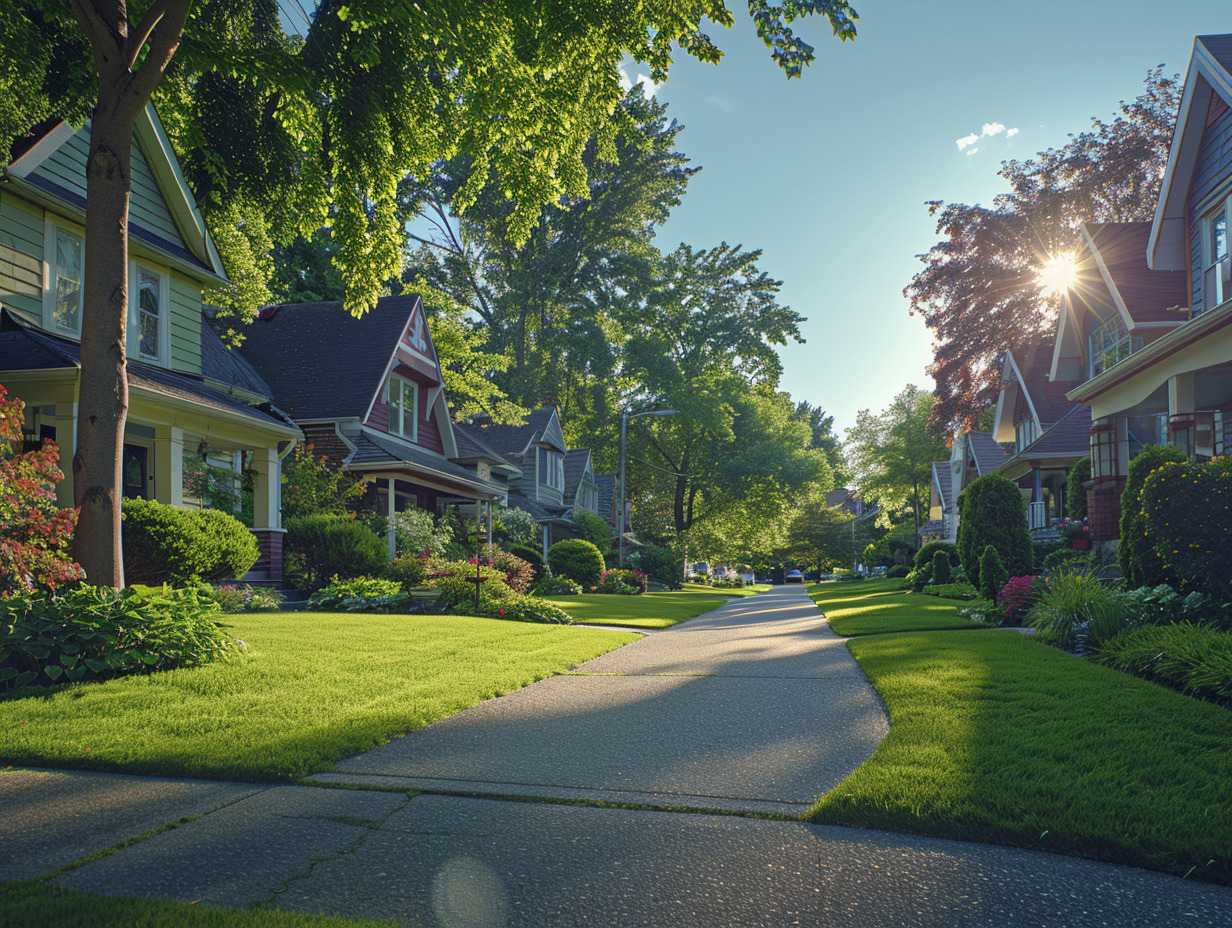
[(185, 318), (1212, 175), (21, 258)]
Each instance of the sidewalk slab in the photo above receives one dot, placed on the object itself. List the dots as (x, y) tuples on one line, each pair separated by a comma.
[(52, 818)]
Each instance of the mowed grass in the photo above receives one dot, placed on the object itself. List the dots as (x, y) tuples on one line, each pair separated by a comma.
[(29, 904), (997, 738), (312, 688), (650, 610), (873, 607), (734, 593)]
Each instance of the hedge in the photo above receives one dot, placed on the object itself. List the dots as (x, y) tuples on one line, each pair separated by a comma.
[(319, 547), (1133, 554), (1186, 519), (165, 544)]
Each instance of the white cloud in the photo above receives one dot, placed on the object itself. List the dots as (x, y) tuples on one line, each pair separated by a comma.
[(987, 131), (973, 151), (992, 128), (1011, 133), (967, 141), (627, 81)]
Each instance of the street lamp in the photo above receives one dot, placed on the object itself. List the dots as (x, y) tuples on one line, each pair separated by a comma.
[(624, 427)]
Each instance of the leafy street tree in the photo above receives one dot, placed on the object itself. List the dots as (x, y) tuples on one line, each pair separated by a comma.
[(980, 290), (891, 453), (288, 130)]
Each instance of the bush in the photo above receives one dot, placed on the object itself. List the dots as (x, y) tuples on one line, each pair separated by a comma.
[(1075, 492), (1069, 560), (519, 573), (925, 560), (660, 565), (634, 579), (1133, 552), (1193, 659), (983, 612), (577, 559), (360, 594), (897, 572), (847, 576), (594, 528), (416, 533), (992, 513), (97, 632), (992, 574), (407, 571), (163, 544), (312, 486), (555, 586), (1016, 598), (1075, 611), (533, 557), (454, 581), (242, 597), (941, 568), (527, 609), (951, 591), (1186, 519), (518, 527), (1042, 549), (35, 534), (1162, 605), (322, 546)]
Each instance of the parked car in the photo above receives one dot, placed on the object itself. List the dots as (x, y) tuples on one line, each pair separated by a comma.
[(701, 569), (794, 576), (748, 578)]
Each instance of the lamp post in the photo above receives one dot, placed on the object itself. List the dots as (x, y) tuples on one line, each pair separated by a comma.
[(624, 428)]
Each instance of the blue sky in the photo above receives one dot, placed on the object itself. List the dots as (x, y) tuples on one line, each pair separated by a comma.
[(829, 174)]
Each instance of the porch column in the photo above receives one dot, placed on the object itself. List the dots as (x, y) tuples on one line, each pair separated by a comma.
[(545, 544), (391, 510), (267, 513), (1181, 395), (65, 423), (169, 464)]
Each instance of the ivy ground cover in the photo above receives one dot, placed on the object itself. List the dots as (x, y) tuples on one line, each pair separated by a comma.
[(995, 737), (650, 610), (311, 689)]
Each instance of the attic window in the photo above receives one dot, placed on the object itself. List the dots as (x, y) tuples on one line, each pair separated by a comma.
[(62, 300), (403, 404), (1110, 344), (1215, 264)]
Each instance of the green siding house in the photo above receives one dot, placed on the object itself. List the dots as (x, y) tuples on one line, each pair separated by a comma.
[(189, 395)]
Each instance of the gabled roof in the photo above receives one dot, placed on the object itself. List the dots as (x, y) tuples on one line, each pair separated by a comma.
[(575, 468), (607, 492), (471, 447), (988, 454), (540, 511), (322, 362), (1141, 294), (539, 427), (1070, 438), (227, 366), (1210, 72), (373, 449), (943, 480)]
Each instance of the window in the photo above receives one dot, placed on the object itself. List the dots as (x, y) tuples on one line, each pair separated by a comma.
[(551, 469), (1024, 433), (403, 404), (1104, 451), (147, 319), (1110, 344), (66, 274), (1215, 265), (1198, 435)]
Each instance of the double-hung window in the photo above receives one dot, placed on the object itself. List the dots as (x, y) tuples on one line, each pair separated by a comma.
[(551, 469), (1109, 344), (1215, 265), (403, 402), (66, 252), (148, 334)]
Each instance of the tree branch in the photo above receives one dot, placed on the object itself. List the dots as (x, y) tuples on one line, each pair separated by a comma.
[(101, 28), (137, 38), (164, 40)]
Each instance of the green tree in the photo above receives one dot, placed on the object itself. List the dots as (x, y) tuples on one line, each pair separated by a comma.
[(291, 132), (890, 454), (992, 513)]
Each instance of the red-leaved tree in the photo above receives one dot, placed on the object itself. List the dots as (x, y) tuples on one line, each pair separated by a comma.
[(35, 534)]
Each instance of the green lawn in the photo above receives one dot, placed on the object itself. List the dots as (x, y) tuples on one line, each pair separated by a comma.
[(27, 904), (312, 688), (871, 607), (650, 610), (995, 737), (735, 593)]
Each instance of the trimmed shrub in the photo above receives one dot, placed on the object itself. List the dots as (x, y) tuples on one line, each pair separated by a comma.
[(555, 586), (518, 527), (527, 609), (1186, 520), (1133, 553), (92, 632), (992, 513), (1075, 492), (992, 574), (843, 575), (941, 568), (407, 571), (533, 557), (594, 528), (638, 580), (519, 574), (577, 559), (360, 594), (242, 597), (961, 591), (1193, 659), (1069, 560), (661, 565), (163, 544), (925, 560), (454, 581), (322, 546), (897, 572)]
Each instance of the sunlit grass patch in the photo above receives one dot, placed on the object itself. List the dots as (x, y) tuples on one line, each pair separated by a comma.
[(994, 737), (650, 610), (874, 607), (312, 688)]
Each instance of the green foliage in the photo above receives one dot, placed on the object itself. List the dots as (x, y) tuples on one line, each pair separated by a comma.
[(417, 533), (576, 559), (318, 547), (1075, 611), (961, 591), (35, 534), (991, 512), (1069, 560), (1134, 555), (91, 633), (518, 527), (1186, 519), (527, 609), (620, 582), (843, 575), (519, 573), (216, 487), (455, 582), (531, 556), (408, 571), (242, 597), (360, 594), (925, 561), (1075, 492), (556, 586), (1162, 605), (164, 544), (1192, 659), (992, 573), (312, 486), (897, 572), (941, 568), (595, 530), (660, 564)]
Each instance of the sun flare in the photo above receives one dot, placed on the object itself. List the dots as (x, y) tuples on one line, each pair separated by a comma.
[(1057, 274)]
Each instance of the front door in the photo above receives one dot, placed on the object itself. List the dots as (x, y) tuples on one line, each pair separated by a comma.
[(135, 472)]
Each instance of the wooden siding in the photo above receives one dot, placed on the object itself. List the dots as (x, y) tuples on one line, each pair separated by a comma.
[(427, 432), (185, 319), (66, 167), (1212, 175), (21, 258)]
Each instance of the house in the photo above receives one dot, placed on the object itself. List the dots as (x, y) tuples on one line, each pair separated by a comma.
[(188, 395), (369, 394), (1176, 387), (972, 454), (581, 489)]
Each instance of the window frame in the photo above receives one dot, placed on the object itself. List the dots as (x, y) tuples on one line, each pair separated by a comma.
[(551, 463), (1123, 345), (402, 384), (1213, 264), (135, 268), (1025, 433), (50, 264), (1105, 450)]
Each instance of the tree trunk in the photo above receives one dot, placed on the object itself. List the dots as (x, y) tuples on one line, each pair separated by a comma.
[(103, 401)]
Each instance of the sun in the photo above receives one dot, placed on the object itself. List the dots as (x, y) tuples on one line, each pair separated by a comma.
[(1057, 274)]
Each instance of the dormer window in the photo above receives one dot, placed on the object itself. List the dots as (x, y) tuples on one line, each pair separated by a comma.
[(551, 469), (1215, 265), (148, 334), (403, 402), (1024, 433), (63, 292), (1110, 344)]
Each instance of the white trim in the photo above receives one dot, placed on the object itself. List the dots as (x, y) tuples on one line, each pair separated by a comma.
[(1025, 392), (41, 150), (50, 261), (413, 437), (1117, 301), (1067, 313), (133, 349)]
